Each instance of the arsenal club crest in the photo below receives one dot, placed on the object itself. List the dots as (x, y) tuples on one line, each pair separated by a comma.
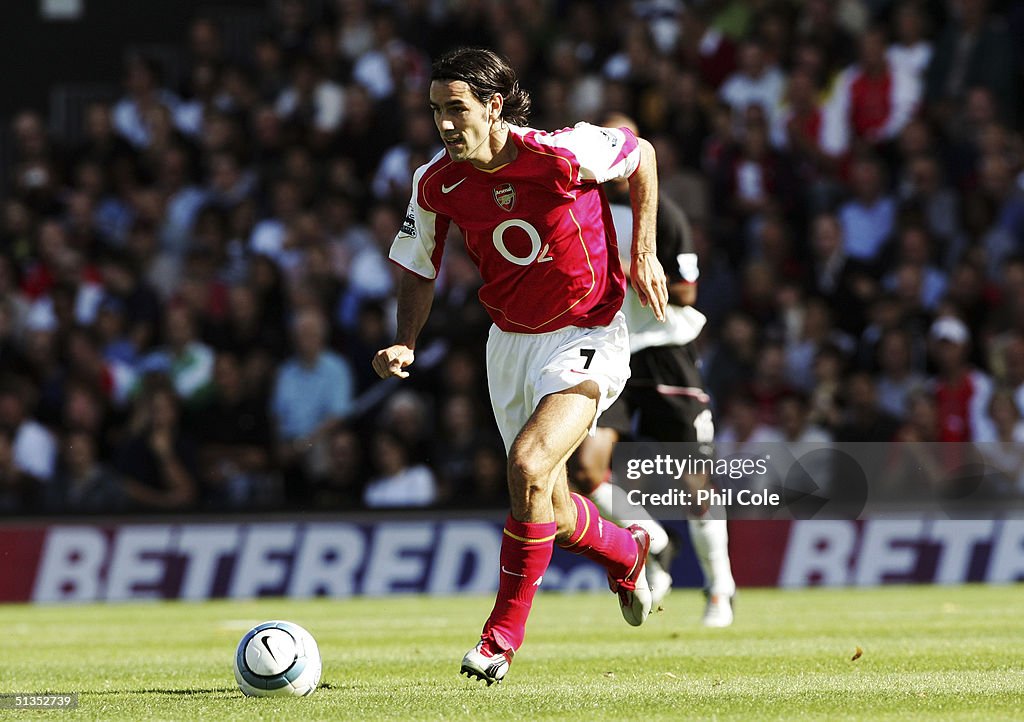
[(505, 196)]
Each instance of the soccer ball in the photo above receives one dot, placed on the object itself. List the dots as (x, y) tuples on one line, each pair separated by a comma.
[(277, 659)]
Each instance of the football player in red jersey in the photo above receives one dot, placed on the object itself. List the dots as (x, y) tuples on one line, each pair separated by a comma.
[(538, 226)]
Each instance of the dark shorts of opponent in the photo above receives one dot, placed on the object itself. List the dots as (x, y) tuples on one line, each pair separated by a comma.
[(663, 400)]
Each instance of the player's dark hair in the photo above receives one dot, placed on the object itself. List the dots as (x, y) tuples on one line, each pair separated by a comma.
[(486, 73)]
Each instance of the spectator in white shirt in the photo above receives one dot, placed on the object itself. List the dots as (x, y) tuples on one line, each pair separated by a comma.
[(391, 64), (270, 235), (142, 83), (311, 101), (911, 53), (755, 83), (35, 448), (398, 484), (393, 177), (897, 377)]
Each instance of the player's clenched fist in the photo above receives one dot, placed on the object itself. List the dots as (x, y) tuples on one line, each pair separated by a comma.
[(391, 361)]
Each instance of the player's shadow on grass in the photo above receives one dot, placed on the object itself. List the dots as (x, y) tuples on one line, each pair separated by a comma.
[(184, 692), (217, 691)]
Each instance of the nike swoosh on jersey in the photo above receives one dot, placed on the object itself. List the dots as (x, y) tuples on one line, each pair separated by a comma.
[(512, 573), (448, 189)]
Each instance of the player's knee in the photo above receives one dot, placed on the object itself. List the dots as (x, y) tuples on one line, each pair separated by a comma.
[(528, 466), (529, 480)]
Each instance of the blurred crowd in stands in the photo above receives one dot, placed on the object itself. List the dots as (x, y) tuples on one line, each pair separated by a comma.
[(190, 294)]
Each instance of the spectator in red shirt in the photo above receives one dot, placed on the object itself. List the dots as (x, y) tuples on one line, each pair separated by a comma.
[(961, 392), (872, 100)]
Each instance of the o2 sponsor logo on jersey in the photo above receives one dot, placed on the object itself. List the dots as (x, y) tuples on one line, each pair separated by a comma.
[(505, 196), (538, 254)]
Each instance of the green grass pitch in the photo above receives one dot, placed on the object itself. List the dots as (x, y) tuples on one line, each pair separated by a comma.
[(928, 653)]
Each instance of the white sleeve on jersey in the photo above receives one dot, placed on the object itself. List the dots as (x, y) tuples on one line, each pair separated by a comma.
[(602, 154), (416, 242)]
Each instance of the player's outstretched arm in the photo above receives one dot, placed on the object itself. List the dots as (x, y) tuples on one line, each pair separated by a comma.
[(415, 296), (647, 275)]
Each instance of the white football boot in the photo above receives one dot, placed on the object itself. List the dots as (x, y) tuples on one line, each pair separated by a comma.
[(634, 591), (490, 669)]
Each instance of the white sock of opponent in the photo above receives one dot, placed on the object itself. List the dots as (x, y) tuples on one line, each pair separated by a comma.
[(609, 496), (710, 539)]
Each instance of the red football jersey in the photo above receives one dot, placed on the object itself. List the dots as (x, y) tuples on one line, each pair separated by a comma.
[(539, 227)]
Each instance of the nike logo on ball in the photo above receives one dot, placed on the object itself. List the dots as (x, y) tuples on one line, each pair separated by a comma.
[(266, 643), (448, 189)]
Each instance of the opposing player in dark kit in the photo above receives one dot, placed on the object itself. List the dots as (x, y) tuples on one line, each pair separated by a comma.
[(663, 400)]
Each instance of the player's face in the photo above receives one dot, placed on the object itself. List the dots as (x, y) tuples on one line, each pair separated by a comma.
[(463, 121)]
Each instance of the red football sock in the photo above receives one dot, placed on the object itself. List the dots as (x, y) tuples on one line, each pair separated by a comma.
[(609, 545), (525, 554)]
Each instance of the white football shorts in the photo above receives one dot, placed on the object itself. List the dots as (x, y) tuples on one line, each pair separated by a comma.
[(523, 368)]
